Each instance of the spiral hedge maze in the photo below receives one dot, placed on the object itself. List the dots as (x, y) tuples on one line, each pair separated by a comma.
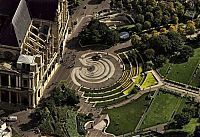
[(117, 92)]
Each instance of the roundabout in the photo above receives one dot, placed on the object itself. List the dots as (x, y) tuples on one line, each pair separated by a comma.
[(97, 70)]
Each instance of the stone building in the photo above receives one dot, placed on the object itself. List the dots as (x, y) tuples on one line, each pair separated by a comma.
[(5, 131), (33, 34)]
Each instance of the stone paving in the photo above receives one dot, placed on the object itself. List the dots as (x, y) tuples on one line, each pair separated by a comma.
[(96, 74)]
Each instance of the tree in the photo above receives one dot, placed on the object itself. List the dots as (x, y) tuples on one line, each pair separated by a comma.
[(149, 16), (149, 8), (176, 40), (157, 22), (57, 96), (111, 37), (165, 19), (174, 19), (197, 23), (98, 32), (190, 28), (160, 60), (185, 53), (163, 30), (161, 44), (149, 65), (138, 27), (197, 131), (64, 97), (151, 2), (145, 37), (119, 4), (139, 18), (59, 130), (179, 8), (149, 53), (155, 33), (181, 119), (158, 14), (147, 25), (135, 40), (170, 7), (181, 29), (172, 28), (70, 98), (138, 9)]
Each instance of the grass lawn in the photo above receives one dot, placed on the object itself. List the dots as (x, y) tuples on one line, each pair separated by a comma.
[(163, 70), (149, 81), (71, 124), (138, 80), (69, 116), (124, 119), (190, 127), (181, 106), (195, 81), (160, 110), (183, 72)]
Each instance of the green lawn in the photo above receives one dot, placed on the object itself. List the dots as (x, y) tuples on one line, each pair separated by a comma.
[(163, 70), (149, 81), (160, 110), (71, 124), (124, 119), (195, 81), (183, 72), (190, 127), (138, 80), (181, 106)]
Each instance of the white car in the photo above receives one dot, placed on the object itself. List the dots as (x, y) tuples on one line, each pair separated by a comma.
[(12, 118)]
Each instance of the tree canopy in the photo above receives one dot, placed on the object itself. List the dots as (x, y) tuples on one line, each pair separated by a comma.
[(98, 32)]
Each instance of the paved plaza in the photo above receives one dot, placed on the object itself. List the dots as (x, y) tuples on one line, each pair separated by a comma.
[(95, 74)]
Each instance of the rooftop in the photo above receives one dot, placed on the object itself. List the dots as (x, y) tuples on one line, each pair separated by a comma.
[(26, 59)]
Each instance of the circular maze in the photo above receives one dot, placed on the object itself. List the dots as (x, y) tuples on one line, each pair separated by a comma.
[(96, 70)]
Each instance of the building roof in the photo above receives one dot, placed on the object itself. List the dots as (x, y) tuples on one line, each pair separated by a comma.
[(21, 21), (26, 59), (15, 18)]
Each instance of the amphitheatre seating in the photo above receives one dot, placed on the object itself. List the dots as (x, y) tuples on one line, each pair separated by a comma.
[(114, 94), (133, 72), (125, 61), (124, 77), (127, 83), (103, 90), (102, 94), (110, 102)]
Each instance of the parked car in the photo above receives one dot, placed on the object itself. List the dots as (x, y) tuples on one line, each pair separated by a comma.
[(12, 118)]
